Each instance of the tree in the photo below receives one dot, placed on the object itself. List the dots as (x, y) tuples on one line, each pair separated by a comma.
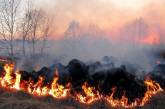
[(37, 17), (46, 31), (9, 25), (26, 26)]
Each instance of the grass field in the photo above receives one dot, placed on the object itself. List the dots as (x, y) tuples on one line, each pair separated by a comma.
[(21, 100)]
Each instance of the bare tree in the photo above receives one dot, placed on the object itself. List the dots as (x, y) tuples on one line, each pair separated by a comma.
[(8, 21), (26, 26), (37, 16), (46, 32)]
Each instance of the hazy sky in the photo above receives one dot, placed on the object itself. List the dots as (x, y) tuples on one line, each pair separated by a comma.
[(107, 14), (111, 16)]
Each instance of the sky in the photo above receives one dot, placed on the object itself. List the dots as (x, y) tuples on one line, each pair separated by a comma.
[(106, 14), (118, 19)]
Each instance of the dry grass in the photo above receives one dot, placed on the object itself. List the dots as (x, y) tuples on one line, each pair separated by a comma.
[(21, 100)]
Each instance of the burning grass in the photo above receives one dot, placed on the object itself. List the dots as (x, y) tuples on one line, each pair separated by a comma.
[(22, 100), (12, 81)]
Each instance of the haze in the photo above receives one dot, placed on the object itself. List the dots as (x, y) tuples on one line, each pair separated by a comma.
[(106, 14)]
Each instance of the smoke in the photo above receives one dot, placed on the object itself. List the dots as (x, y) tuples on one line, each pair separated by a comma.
[(92, 45), (107, 14), (128, 33)]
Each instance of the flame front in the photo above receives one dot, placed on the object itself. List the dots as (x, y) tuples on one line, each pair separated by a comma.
[(12, 80), (152, 89)]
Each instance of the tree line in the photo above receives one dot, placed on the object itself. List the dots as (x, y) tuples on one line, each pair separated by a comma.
[(26, 23)]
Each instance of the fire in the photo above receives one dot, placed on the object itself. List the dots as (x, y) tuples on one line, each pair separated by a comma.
[(58, 90), (152, 89), (37, 89), (90, 95), (12, 80), (7, 79), (17, 81), (123, 102)]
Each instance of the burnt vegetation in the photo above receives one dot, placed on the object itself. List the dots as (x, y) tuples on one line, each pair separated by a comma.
[(103, 79)]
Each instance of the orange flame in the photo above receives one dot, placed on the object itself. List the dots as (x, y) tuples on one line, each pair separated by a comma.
[(17, 81), (12, 80), (57, 90), (152, 89), (90, 96), (7, 79)]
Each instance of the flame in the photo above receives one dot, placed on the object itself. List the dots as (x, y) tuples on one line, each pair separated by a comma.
[(7, 79), (90, 95), (17, 81), (58, 90), (37, 89), (12, 80), (152, 89)]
